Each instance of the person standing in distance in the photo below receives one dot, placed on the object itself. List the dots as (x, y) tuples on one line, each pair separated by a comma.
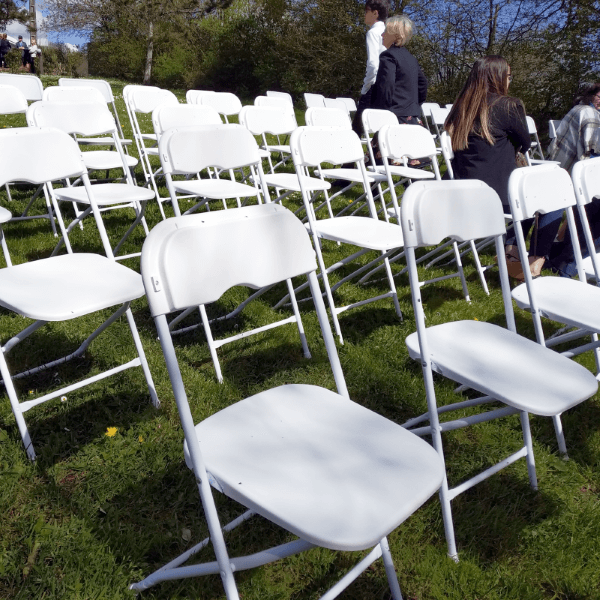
[(23, 47), (376, 12)]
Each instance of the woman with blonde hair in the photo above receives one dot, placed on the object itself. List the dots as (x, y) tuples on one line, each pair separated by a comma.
[(401, 85), (487, 128)]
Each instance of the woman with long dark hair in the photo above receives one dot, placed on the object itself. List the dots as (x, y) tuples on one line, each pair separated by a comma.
[(487, 128)]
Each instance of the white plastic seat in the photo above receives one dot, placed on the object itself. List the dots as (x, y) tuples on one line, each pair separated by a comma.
[(314, 99), (336, 103), (349, 102), (61, 287), (86, 119), (193, 96), (189, 150), (500, 364), (29, 85), (586, 182), (104, 88), (77, 95), (308, 459), (312, 146), (140, 99), (225, 103), (284, 95), (544, 189)]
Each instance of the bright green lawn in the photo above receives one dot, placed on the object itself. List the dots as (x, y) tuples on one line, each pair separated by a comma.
[(95, 513)]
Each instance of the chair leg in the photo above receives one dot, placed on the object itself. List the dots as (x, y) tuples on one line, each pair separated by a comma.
[(479, 269), (560, 436), (461, 272), (211, 343), (530, 458), (294, 302), (390, 571), (5, 248), (392, 286), (14, 401), (142, 356)]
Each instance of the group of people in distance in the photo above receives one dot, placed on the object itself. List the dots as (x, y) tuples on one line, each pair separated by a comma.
[(28, 53), (487, 127)]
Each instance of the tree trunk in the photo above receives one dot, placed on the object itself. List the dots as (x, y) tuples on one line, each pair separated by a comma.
[(149, 49)]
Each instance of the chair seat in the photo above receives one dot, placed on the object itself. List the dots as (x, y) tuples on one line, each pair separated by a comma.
[(564, 300), (5, 215), (103, 141), (353, 175), (67, 286), (106, 194), (361, 231), (409, 172), (507, 366), (105, 159), (289, 181), (214, 188), (261, 451)]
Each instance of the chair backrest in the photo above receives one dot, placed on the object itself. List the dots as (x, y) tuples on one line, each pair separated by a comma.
[(225, 103), (439, 115), (314, 99), (287, 97), (328, 117), (276, 120), (349, 102), (531, 125), (193, 96), (543, 188), (192, 149), (183, 115), (427, 106), (374, 119), (335, 103), (99, 84), (75, 94), (462, 210), (277, 101), (144, 99), (30, 85), (586, 180), (12, 100), (312, 146), (50, 154), (85, 118), (411, 141), (552, 127), (195, 259)]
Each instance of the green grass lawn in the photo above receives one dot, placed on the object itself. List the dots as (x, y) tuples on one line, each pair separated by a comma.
[(95, 512)]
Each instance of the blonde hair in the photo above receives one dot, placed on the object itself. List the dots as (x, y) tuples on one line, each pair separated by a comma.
[(401, 27)]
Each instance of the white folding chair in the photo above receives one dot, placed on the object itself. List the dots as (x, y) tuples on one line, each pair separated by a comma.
[(63, 287), (308, 459), (314, 99), (5, 217), (104, 88), (272, 120), (29, 85), (426, 112), (142, 100), (311, 147), (336, 103), (190, 150), (586, 181), (505, 367), (544, 189), (287, 97), (438, 118), (275, 101), (552, 127), (349, 102), (225, 103), (318, 116), (88, 120), (193, 96)]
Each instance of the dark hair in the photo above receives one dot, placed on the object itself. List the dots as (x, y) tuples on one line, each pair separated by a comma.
[(588, 94), (470, 112), (381, 6)]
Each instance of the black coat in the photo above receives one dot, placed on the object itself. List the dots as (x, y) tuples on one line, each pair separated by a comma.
[(493, 164), (400, 85), (4, 46)]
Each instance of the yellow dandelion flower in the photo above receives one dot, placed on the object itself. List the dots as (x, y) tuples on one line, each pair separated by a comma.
[(140, 439), (475, 319), (111, 431)]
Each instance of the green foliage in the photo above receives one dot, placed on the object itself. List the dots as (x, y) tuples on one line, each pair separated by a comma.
[(59, 60), (14, 61)]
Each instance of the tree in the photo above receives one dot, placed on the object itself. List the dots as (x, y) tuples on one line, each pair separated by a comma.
[(12, 10)]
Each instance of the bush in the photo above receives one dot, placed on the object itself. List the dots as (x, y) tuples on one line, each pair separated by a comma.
[(59, 60)]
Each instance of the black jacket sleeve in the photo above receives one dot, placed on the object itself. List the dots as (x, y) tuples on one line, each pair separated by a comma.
[(422, 87)]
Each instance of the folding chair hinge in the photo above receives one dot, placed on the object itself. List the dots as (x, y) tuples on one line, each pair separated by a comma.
[(155, 284)]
